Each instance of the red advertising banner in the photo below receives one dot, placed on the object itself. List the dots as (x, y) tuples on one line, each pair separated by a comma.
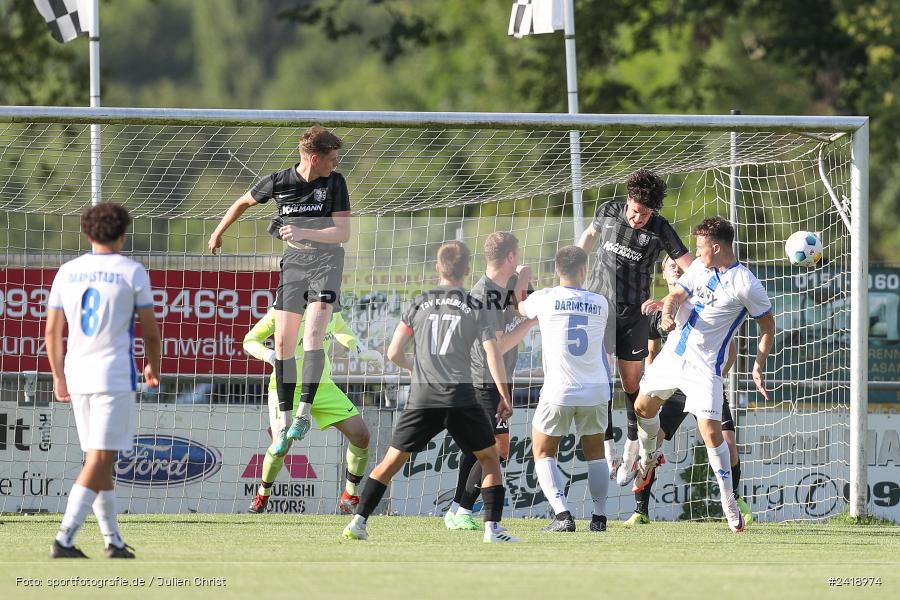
[(203, 317)]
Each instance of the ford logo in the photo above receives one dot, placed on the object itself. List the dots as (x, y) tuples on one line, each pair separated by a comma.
[(166, 460)]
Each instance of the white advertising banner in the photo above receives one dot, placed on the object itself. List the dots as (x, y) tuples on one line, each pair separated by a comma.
[(793, 467), (189, 459), (209, 458)]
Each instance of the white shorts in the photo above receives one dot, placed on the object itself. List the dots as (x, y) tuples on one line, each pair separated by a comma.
[(703, 391), (104, 421), (556, 420)]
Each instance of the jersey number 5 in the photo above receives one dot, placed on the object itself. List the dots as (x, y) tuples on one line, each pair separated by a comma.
[(578, 337), (435, 333)]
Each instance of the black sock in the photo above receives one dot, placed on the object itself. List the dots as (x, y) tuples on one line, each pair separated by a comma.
[(285, 383), (736, 478), (370, 497), (564, 515), (630, 398), (472, 488), (595, 518), (493, 502), (609, 424), (465, 468), (313, 366), (642, 498)]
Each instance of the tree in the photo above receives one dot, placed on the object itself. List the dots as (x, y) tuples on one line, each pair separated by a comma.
[(694, 56), (37, 70)]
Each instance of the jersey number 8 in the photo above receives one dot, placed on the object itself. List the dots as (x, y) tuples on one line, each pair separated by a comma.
[(90, 304)]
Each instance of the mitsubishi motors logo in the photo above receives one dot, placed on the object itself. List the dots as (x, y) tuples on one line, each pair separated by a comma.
[(297, 466)]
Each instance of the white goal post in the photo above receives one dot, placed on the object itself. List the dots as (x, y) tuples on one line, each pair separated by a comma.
[(417, 179)]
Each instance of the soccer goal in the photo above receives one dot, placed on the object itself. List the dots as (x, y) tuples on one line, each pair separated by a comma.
[(416, 180)]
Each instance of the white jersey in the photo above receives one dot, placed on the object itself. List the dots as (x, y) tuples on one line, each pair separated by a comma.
[(98, 294), (719, 302), (573, 323)]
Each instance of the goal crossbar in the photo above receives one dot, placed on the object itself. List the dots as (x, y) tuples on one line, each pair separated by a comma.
[(302, 118)]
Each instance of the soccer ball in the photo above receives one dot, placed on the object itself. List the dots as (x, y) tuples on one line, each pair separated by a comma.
[(804, 249)]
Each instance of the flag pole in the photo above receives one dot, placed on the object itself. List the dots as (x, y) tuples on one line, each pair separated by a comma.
[(94, 47), (574, 136)]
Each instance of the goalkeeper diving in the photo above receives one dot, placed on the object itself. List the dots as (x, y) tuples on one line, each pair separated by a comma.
[(332, 408)]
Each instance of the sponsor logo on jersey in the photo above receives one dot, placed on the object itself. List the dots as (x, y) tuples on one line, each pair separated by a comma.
[(623, 251), (164, 460), (705, 295), (295, 209)]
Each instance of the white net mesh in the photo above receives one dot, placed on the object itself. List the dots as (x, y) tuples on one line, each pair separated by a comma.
[(202, 435)]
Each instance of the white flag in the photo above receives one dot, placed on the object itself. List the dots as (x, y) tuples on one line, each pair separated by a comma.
[(520, 19), (547, 16), (536, 16), (62, 19)]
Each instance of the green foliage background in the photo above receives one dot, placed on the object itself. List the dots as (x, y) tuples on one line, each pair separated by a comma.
[(814, 57)]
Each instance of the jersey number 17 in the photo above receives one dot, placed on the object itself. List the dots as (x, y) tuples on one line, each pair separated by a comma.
[(448, 333)]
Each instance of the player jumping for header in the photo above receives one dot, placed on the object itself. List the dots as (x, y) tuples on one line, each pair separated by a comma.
[(314, 220), (712, 299), (672, 413), (629, 237)]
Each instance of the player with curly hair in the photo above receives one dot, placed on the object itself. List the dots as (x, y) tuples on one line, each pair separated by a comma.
[(98, 295), (628, 236)]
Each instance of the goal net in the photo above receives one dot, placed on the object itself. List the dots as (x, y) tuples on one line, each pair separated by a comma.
[(414, 181)]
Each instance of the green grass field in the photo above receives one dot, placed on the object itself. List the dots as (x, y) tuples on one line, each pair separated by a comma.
[(272, 556)]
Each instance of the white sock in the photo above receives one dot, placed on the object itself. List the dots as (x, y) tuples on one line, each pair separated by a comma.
[(610, 451), (454, 506), (264, 491), (558, 478), (285, 422), (304, 410), (548, 477), (648, 429), (77, 508), (631, 452), (598, 483), (106, 513), (463, 511), (720, 461), (360, 521), (490, 527)]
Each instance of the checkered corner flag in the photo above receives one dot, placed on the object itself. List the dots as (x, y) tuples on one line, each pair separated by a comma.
[(535, 16), (67, 19)]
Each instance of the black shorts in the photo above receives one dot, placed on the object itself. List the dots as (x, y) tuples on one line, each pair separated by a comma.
[(468, 425), (310, 276), (489, 399), (672, 414), (627, 334)]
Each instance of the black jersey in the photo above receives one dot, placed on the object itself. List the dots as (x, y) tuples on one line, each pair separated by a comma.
[(306, 204), (623, 269), (498, 303), (445, 323)]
